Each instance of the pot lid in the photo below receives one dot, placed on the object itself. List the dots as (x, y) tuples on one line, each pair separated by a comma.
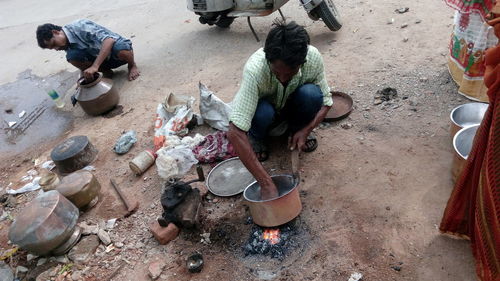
[(228, 178)]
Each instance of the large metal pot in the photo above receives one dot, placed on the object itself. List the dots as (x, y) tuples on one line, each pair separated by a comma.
[(278, 211), (462, 143), (466, 115), (98, 96), (46, 224), (81, 188)]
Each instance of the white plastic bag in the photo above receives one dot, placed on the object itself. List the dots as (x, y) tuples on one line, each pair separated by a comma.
[(172, 118), (175, 162), (213, 110)]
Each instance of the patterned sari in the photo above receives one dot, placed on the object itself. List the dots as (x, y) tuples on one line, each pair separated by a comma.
[(471, 37), (473, 210)]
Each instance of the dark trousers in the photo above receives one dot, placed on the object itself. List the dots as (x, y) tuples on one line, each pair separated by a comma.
[(299, 110)]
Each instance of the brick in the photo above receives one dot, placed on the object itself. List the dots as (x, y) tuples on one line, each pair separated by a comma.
[(164, 234)]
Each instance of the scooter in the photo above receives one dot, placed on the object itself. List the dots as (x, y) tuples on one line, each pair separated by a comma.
[(223, 12)]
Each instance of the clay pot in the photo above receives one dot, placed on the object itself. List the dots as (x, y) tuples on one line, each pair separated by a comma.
[(278, 211), (81, 188), (98, 96), (46, 224)]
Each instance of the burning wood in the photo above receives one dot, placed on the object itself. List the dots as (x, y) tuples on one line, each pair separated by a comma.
[(271, 235), (271, 241)]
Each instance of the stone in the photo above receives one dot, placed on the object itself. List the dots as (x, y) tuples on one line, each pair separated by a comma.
[(6, 272), (110, 224), (41, 261), (77, 275), (164, 234), (21, 269), (31, 257), (404, 25), (88, 229), (346, 126), (119, 245), (82, 251), (155, 269), (104, 237)]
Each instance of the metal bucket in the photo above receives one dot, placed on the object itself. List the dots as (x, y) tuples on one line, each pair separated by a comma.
[(278, 211), (466, 115), (462, 143)]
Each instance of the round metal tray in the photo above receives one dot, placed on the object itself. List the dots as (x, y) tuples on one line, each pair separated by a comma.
[(341, 108), (228, 178)]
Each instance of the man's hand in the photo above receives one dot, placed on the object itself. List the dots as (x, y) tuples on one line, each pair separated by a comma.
[(268, 192), (298, 140), (89, 73)]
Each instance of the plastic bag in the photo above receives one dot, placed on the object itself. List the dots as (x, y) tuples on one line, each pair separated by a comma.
[(213, 110), (125, 142), (34, 185), (174, 163), (172, 118)]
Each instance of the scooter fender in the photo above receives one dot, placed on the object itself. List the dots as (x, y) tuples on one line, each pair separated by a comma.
[(209, 6), (309, 5)]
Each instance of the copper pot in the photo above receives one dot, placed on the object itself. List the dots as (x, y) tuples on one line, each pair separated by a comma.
[(81, 188), (46, 224), (97, 97), (278, 211)]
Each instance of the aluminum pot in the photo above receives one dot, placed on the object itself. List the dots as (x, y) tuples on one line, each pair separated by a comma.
[(462, 144), (466, 115), (45, 224), (97, 97), (278, 211)]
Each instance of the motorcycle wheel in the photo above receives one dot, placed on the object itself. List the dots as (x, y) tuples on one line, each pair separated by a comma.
[(224, 22), (329, 14)]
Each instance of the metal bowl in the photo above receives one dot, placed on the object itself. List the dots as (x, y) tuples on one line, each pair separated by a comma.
[(276, 211), (466, 115), (462, 143)]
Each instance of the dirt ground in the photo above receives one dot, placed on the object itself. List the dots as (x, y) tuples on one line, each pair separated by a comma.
[(373, 192)]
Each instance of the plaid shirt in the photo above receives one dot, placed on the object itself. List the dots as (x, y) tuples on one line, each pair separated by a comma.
[(259, 82), (87, 35)]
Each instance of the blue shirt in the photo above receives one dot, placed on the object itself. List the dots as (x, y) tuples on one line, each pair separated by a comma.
[(87, 35)]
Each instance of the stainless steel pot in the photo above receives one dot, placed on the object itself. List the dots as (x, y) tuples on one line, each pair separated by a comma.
[(466, 115), (98, 96), (462, 143), (278, 211)]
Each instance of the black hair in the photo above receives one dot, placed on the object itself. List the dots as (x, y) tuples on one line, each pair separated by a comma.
[(287, 42), (44, 33)]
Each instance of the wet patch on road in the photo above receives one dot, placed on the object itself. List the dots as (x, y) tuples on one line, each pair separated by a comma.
[(37, 119)]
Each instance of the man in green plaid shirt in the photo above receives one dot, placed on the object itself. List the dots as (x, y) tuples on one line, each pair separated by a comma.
[(283, 89)]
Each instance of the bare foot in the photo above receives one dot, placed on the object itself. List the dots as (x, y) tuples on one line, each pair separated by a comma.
[(133, 73), (269, 192)]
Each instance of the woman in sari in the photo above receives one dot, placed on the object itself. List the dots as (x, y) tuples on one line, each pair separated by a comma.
[(473, 210), (470, 38)]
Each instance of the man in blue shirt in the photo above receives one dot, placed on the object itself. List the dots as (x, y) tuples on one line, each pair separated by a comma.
[(89, 46)]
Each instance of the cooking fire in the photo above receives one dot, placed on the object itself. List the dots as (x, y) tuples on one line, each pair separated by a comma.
[(273, 242)]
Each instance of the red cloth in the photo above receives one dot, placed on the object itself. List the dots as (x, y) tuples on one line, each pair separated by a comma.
[(483, 7), (215, 147), (473, 209)]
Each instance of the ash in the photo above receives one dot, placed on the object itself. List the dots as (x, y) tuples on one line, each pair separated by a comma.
[(256, 245)]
